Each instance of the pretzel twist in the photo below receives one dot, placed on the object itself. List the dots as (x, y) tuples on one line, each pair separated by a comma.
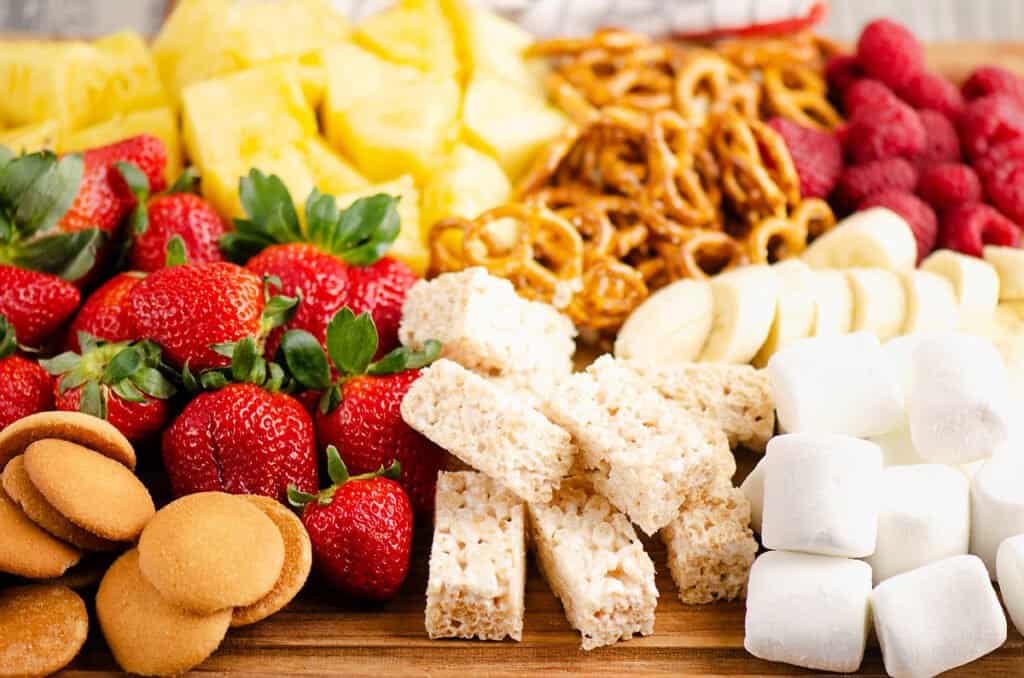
[(800, 94)]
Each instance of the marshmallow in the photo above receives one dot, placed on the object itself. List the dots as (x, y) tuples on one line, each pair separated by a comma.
[(1010, 566), (835, 384), (809, 611), (897, 448), (937, 617), (924, 517), (899, 353), (821, 494), (753, 488), (997, 507), (959, 399)]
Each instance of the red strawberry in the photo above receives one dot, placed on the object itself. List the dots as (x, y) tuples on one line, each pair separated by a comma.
[(119, 382), (241, 439), (104, 314), (379, 289), (968, 228), (26, 385), (36, 304), (177, 214), (360, 412), (361, 530)]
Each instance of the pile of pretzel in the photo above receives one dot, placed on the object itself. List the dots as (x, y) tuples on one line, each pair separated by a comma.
[(666, 171)]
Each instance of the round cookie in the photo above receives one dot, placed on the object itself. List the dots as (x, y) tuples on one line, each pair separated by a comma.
[(87, 573), (94, 492), (147, 634), (42, 628), (298, 560), (210, 551), (20, 489), (28, 550), (76, 427)]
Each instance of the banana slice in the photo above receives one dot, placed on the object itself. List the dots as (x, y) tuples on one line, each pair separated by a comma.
[(745, 301), (874, 238), (879, 301), (1009, 265), (931, 302), (833, 299), (794, 314), (975, 283), (671, 326)]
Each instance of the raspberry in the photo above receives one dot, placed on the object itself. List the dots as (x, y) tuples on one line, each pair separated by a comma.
[(816, 155), (969, 227), (1006, 191), (860, 181), (920, 216), (887, 51), (841, 72), (987, 80), (989, 121), (999, 159), (948, 184), (941, 144), (933, 92), (869, 93), (885, 132)]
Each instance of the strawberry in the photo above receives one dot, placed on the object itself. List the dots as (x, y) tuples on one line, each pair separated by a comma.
[(26, 385), (360, 528), (36, 304), (360, 411), (241, 439), (353, 240), (104, 314), (120, 382)]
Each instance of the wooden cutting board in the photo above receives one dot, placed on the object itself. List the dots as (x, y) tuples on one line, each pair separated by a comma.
[(321, 634)]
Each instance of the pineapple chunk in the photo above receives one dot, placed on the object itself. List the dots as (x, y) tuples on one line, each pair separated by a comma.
[(509, 123), (134, 83), (409, 247), (160, 122), (389, 119), (31, 138), (490, 44), (414, 33), (331, 172), (465, 184)]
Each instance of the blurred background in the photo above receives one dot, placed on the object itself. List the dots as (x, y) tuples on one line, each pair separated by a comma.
[(931, 20)]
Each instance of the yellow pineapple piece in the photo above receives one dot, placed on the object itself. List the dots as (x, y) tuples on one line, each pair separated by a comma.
[(332, 173), (466, 183), (414, 33), (159, 122), (409, 247), (30, 138), (490, 44), (509, 123), (134, 81), (389, 119)]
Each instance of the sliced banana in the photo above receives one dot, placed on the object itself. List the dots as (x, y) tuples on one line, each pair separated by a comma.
[(833, 301), (975, 283), (1009, 265), (874, 238), (879, 301), (931, 302), (671, 326), (794, 314), (745, 301)]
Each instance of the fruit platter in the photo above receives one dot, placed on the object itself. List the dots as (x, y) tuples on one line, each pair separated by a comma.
[(423, 345)]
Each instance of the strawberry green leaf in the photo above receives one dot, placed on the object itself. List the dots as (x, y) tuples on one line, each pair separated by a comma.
[(188, 379), (226, 349), (243, 359), (270, 281), (305, 359), (298, 498), (367, 229), (404, 358), (153, 383), (50, 195), (239, 245), (126, 390), (6, 229), (330, 399), (8, 340), (67, 255), (258, 373), (176, 254), (123, 365), (213, 380), (351, 341), (393, 472), (61, 364), (278, 311), (19, 175), (186, 182), (6, 155), (269, 206), (93, 400), (322, 217), (71, 380), (135, 178), (87, 342), (275, 379), (336, 469)]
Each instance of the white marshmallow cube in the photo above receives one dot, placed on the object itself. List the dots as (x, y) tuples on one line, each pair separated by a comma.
[(959, 402), (899, 354), (753, 488), (997, 507), (821, 494), (924, 517), (897, 448), (809, 611), (1010, 566), (835, 384), (937, 617)]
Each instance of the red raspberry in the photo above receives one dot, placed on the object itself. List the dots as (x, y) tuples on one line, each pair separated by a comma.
[(920, 216), (1005, 190), (987, 80), (885, 132), (989, 121), (860, 181), (816, 155), (948, 184), (887, 51), (841, 72), (999, 159), (941, 144), (969, 227), (867, 92), (933, 92)]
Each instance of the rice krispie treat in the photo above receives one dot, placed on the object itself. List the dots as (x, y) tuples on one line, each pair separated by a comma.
[(639, 450), (477, 560), (491, 429), (738, 397), (710, 546), (595, 564)]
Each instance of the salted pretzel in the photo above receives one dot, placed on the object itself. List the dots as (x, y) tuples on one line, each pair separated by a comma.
[(803, 49), (707, 84), (702, 254), (814, 216), (610, 292), (800, 94), (757, 170), (611, 39), (775, 239), (673, 182)]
